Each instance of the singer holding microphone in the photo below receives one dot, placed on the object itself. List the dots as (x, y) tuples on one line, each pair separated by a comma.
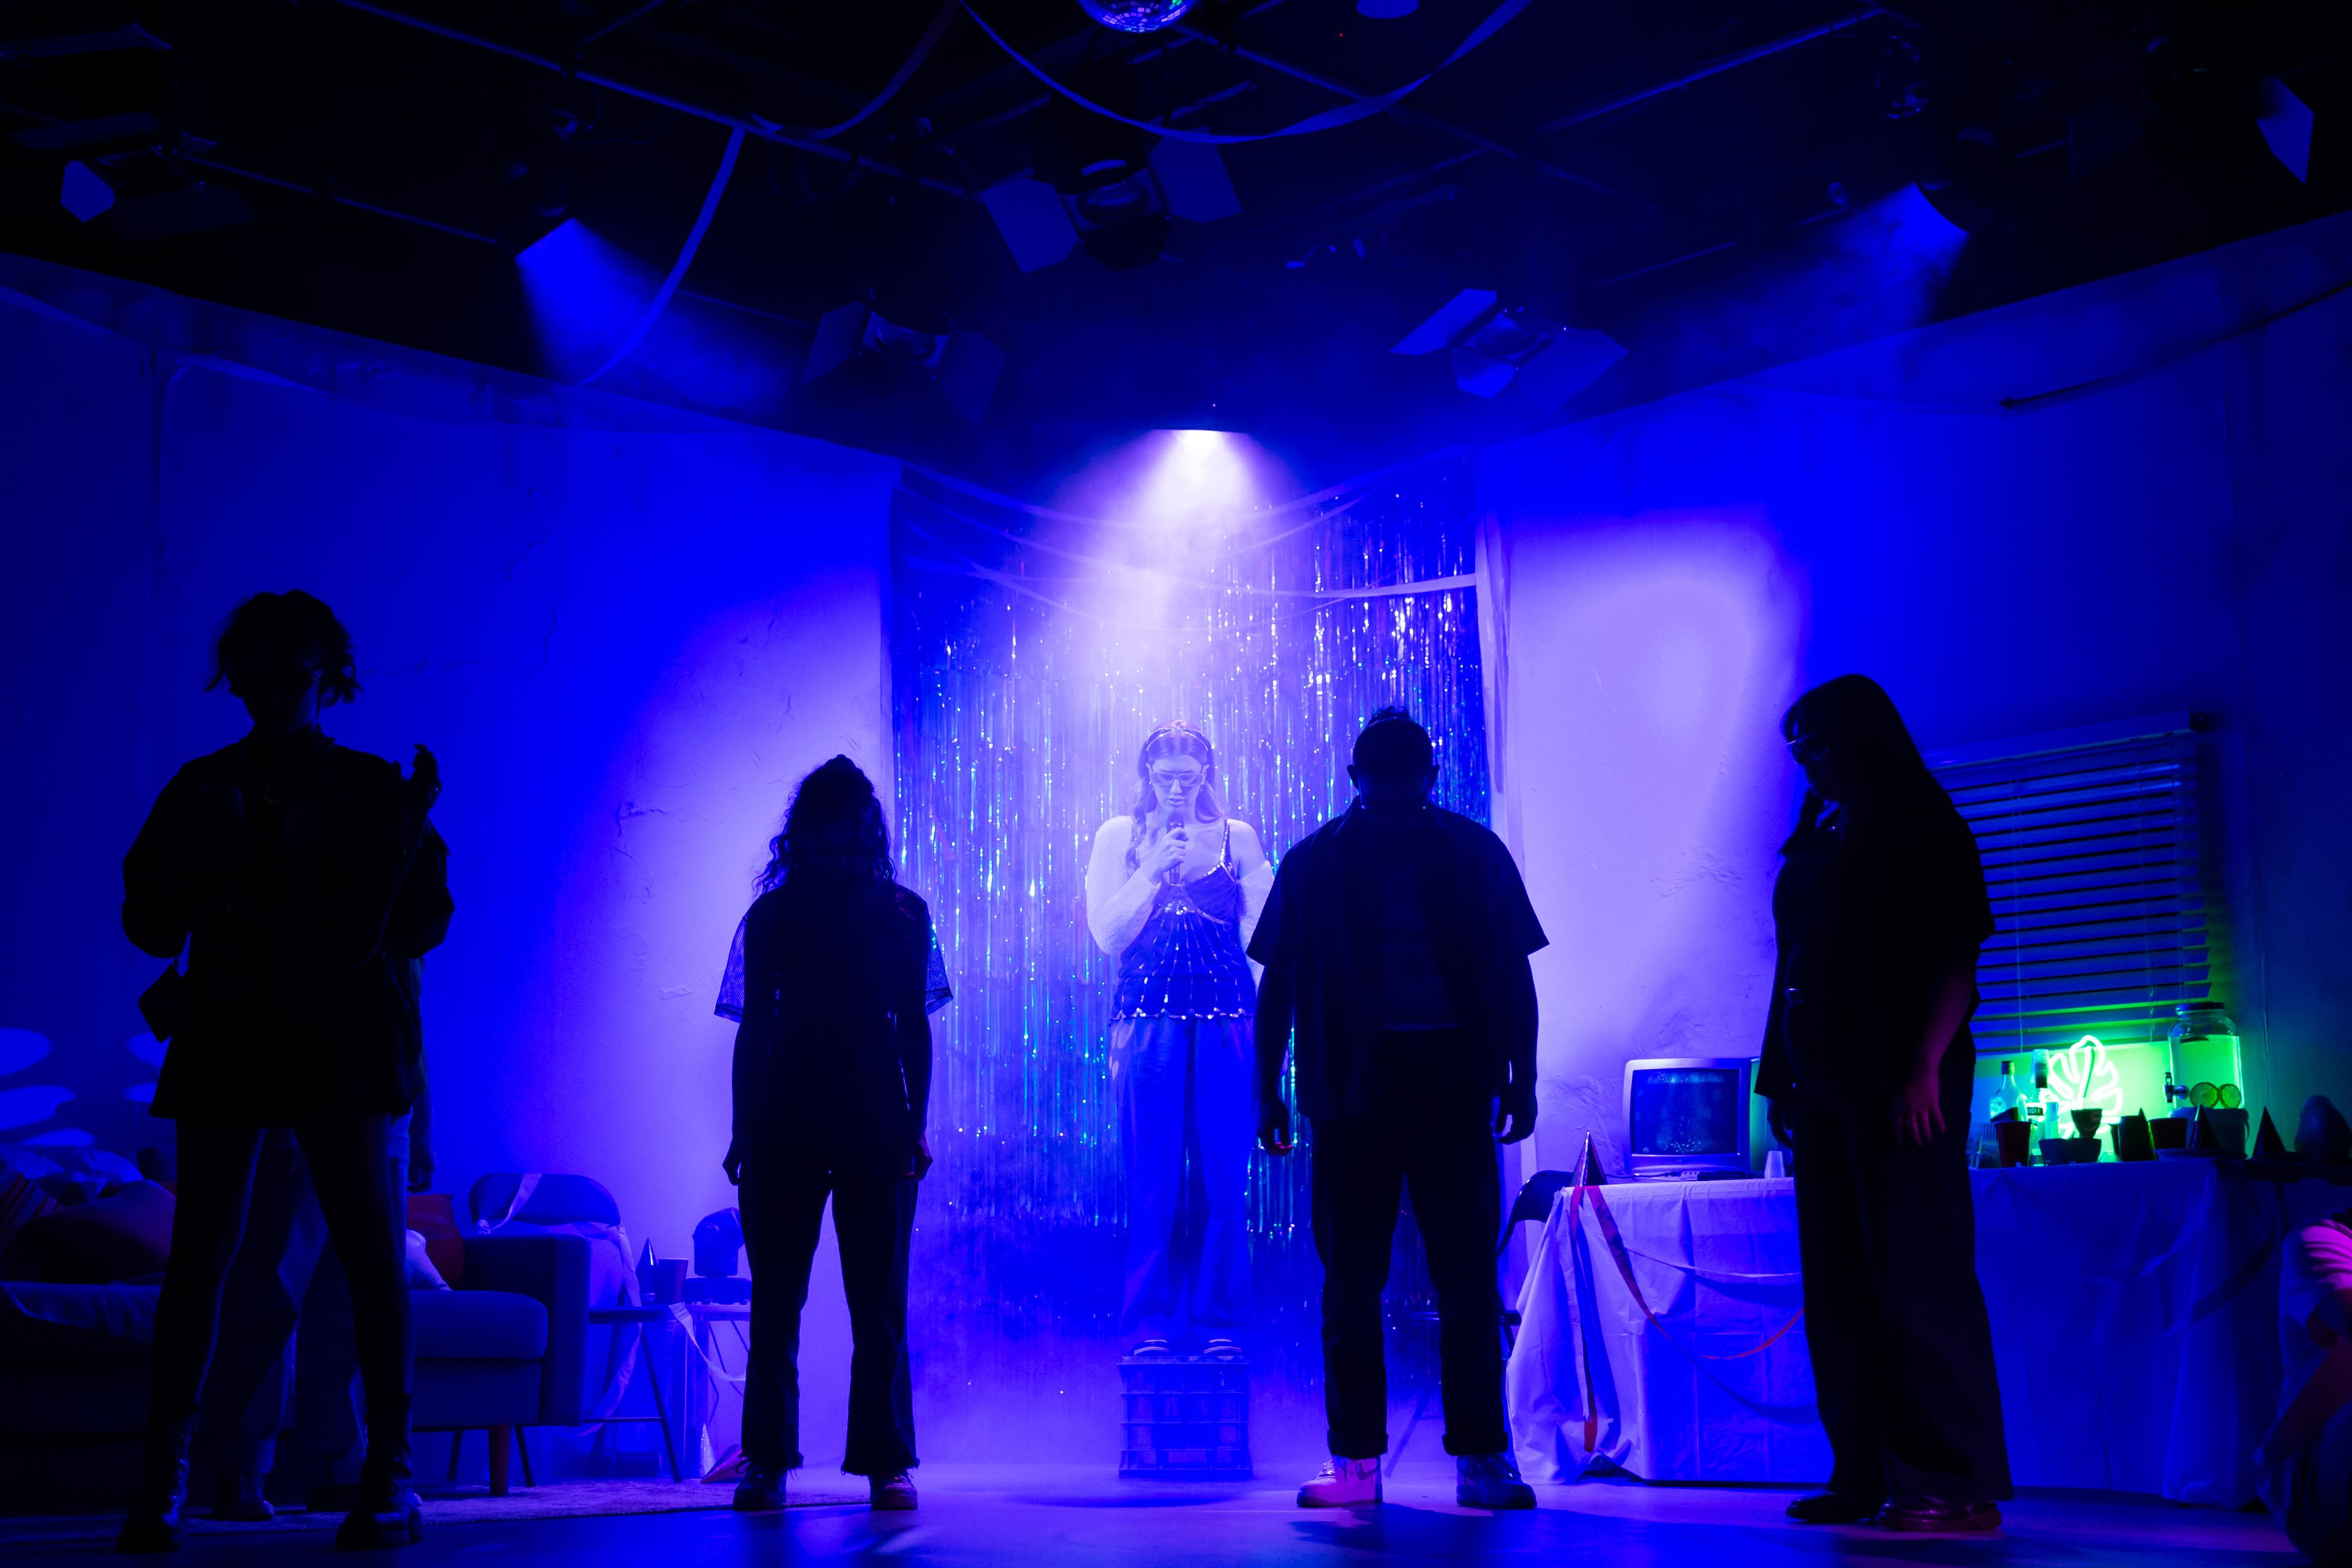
[(1173, 891)]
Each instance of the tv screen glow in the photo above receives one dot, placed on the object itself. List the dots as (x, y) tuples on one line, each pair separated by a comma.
[(1687, 1110)]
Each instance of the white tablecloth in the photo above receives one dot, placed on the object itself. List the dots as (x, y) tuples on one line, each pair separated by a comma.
[(2134, 1314)]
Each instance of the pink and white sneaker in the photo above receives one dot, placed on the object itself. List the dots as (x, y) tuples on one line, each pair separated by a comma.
[(1343, 1483)]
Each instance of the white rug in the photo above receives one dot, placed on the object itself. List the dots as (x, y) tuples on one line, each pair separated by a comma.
[(458, 1505)]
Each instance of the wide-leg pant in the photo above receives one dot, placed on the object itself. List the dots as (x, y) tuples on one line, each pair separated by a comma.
[(785, 1185), (286, 1288), (1895, 1320), (1183, 1087), (351, 1172), (1441, 1147)]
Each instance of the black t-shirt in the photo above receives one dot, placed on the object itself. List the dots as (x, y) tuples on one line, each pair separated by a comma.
[(1867, 913), (1319, 937), (832, 977)]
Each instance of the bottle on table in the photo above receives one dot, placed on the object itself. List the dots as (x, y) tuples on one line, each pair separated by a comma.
[(2040, 1105), (2004, 1093), (2003, 1099)]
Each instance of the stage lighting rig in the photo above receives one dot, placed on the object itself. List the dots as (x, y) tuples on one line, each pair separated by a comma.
[(1493, 347), (118, 173), (1108, 187), (898, 343)]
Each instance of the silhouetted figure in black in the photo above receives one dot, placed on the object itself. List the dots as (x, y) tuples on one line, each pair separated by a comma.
[(833, 979), (1396, 942), (288, 1303), (1880, 910), (304, 883)]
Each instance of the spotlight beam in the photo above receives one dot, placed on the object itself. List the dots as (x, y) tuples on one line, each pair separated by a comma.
[(749, 124)]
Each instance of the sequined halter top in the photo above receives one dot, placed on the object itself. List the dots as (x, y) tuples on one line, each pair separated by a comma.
[(1187, 961)]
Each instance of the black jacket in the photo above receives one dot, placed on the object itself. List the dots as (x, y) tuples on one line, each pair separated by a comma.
[(1866, 920), (303, 924), (1318, 939)]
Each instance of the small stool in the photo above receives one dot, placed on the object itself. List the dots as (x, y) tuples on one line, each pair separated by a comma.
[(643, 1318), (1186, 1418)]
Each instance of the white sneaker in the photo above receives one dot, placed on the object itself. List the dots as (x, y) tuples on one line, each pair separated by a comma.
[(1342, 1483)]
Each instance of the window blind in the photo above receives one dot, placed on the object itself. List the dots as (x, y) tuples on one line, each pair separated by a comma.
[(2094, 855)]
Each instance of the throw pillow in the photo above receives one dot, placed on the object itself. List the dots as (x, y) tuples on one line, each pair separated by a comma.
[(71, 1173), (422, 1275), (434, 1216), (123, 1235), (21, 1202)]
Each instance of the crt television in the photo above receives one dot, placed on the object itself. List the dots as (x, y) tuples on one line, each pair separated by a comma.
[(1687, 1117)]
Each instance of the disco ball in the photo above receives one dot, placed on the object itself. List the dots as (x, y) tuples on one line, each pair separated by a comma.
[(1136, 15)]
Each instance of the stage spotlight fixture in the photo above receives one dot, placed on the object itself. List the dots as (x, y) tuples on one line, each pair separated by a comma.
[(1493, 347), (83, 194), (1108, 187), (2285, 123), (118, 174), (910, 345), (1385, 10), (1136, 15)]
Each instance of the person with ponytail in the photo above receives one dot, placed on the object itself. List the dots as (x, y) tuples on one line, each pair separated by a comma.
[(832, 981), (1868, 1068), (1173, 891)]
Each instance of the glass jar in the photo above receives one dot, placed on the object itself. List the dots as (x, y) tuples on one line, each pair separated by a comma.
[(2207, 1068)]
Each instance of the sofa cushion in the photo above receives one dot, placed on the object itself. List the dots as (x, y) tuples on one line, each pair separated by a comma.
[(58, 1323), (454, 1396), (478, 1325), (122, 1236)]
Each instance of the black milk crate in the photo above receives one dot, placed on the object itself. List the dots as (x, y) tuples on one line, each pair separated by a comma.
[(1187, 1418)]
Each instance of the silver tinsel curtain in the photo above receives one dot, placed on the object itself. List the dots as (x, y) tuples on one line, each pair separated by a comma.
[(1032, 653)]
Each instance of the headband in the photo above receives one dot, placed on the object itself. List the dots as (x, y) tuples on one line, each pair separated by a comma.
[(1185, 737)]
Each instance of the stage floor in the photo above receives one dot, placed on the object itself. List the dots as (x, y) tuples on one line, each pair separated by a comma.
[(1051, 1517)]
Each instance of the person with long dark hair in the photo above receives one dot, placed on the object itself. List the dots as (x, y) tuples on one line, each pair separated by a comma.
[(1868, 1066), (1174, 891), (303, 883), (832, 981)]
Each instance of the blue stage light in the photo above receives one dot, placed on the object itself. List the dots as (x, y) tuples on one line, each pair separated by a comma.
[(583, 294)]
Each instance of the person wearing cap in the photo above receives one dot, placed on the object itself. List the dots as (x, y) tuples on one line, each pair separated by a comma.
[(1395, 942)]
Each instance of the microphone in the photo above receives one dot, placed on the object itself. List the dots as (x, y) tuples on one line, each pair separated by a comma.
[(1175, 820)]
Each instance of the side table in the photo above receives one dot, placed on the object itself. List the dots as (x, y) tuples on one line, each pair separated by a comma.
[(642, 1319)]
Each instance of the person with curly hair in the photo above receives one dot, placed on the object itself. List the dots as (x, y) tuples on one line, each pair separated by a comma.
[(304, 883), (832, 981)]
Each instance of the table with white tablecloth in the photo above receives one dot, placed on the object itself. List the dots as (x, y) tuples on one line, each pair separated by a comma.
[(2134, 1314)]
